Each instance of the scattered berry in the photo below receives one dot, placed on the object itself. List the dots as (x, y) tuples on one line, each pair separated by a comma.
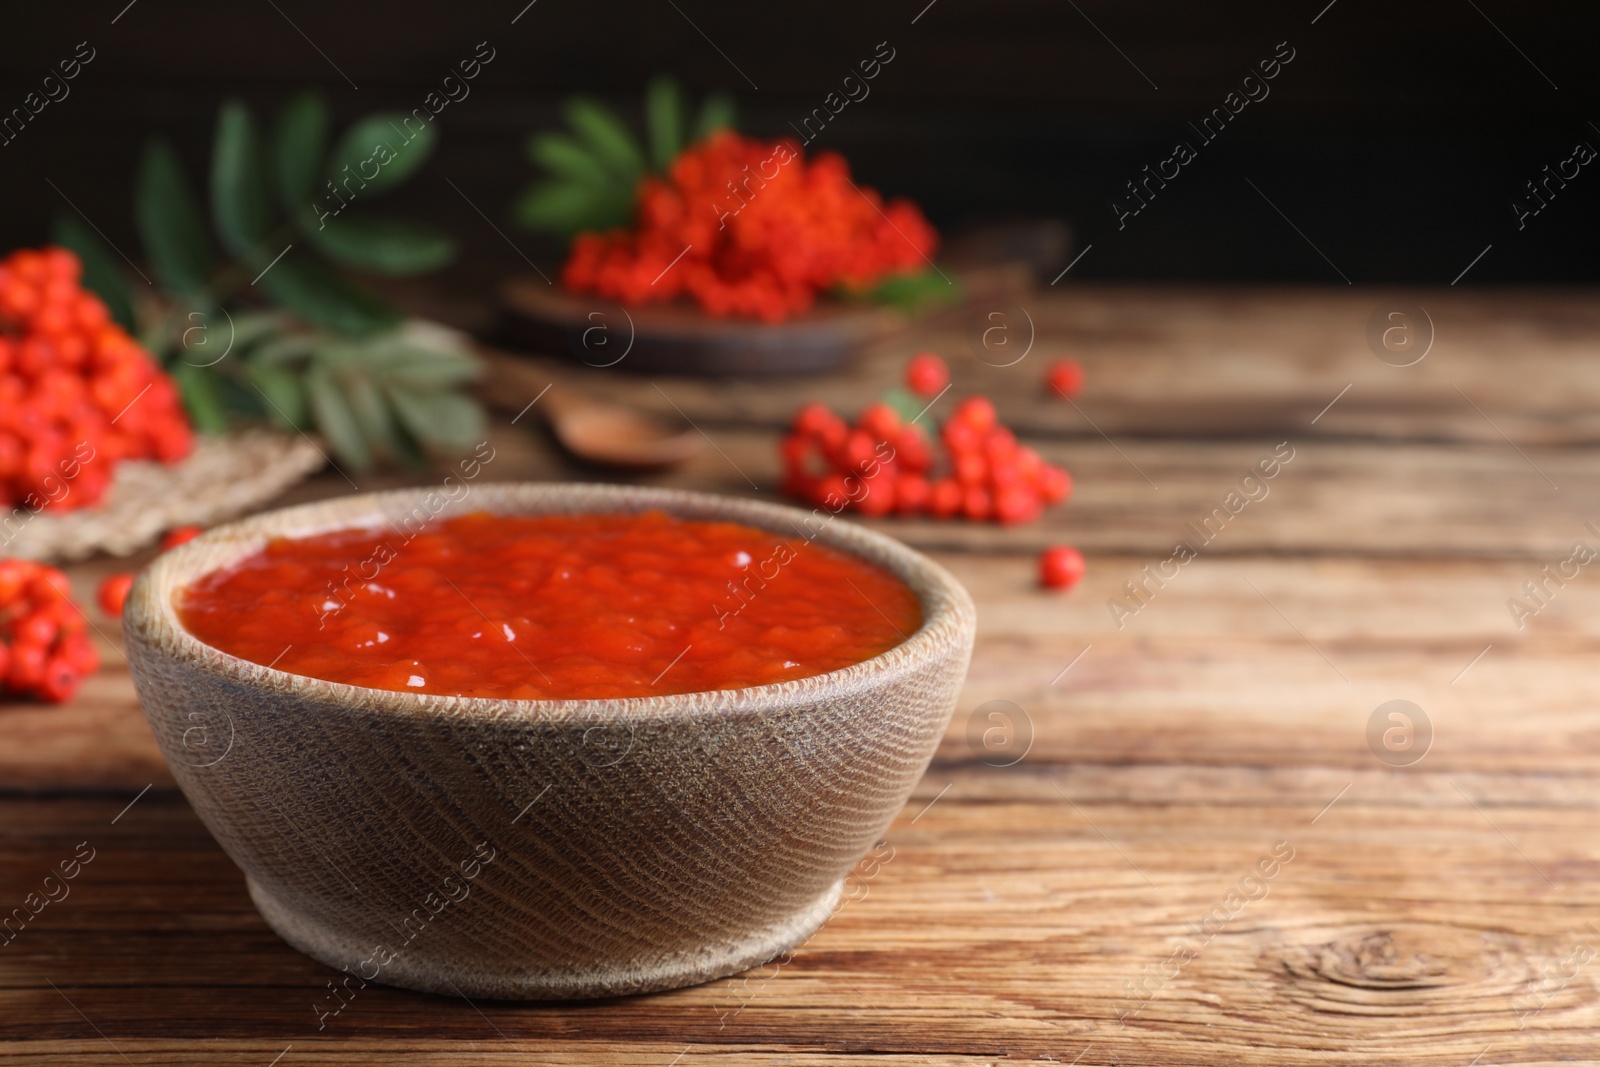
[(45, 651), (913, 451), (815, 419), (1015, 505), (881, 421), (883, 465), (977, 413), (927, 375), (113, 593), (945, 500), (1065, 377), (975, 503), (911, 495), (1054, 484), (970, 468), (879, 499), (180, 535), (1060, 567)]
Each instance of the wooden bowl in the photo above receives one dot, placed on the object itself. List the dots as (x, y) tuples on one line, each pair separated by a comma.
[(543, 849), (681, 339)]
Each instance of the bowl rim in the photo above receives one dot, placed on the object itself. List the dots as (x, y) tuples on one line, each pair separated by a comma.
[(151, 619)]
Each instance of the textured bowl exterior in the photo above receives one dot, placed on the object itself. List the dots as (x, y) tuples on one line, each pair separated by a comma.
[(544, 849)]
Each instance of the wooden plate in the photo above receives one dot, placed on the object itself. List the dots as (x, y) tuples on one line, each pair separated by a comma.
[(681, 339)]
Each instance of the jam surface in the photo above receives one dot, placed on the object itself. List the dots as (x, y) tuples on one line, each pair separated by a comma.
[(552, 607)]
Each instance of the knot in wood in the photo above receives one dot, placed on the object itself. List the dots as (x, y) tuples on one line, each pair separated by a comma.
[(1417, 969)]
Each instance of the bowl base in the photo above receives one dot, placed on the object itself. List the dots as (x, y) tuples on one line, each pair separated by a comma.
[(422, 970)]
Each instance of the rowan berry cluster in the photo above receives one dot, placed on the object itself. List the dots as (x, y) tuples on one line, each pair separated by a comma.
[(45, 651), (751, 228), (77, 394), (977, 471)]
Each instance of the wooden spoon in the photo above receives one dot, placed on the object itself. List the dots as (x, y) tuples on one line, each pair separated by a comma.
[(613, 435), (607, 434)]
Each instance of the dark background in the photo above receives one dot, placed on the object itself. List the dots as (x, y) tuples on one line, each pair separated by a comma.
[(1394, 141)]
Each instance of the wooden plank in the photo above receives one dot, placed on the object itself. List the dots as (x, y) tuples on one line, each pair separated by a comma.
[(1334, 497), (1166, 362), (1403, 926), (1280, 663), (428, 1052), (1438, 913)]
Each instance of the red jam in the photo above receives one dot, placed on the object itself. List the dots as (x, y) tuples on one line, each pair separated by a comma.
[(552, 607)]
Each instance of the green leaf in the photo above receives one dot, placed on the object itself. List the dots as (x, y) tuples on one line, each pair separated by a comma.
[(250, 327), (380, 151), (663, 111), (298, 147), (345, 355), (565, 207), (201, 388), (195, 331), (322, 297), (717, 112), (609, 137), (335, 419), (433, 371), (382, 246), (411, 366), (913, 291), (284, 398), (552, 205), (100, 272), (170, 223), (438, 420), (286, 349), (566, 158), (373, 415), (905, 403), (237, 395), (238, 195)]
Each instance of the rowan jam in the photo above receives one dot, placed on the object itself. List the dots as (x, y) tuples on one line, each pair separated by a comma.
[(553, 607)]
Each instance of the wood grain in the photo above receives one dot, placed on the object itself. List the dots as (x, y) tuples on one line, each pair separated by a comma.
[(1434, 914), (997, 929), (1183, 363)]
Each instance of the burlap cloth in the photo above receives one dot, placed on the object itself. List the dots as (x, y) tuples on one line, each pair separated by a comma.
[(225, 476)]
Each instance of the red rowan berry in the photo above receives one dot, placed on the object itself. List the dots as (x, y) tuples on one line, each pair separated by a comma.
[(1060, 567)]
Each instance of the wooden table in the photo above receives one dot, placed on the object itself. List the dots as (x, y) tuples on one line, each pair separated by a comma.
[(1101, 899)]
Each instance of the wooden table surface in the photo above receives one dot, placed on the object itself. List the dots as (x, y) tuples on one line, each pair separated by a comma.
[(1199, 857)]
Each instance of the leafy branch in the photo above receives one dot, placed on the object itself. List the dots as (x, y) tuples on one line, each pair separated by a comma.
[(256, 317), (592, 176), (594, 171)]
